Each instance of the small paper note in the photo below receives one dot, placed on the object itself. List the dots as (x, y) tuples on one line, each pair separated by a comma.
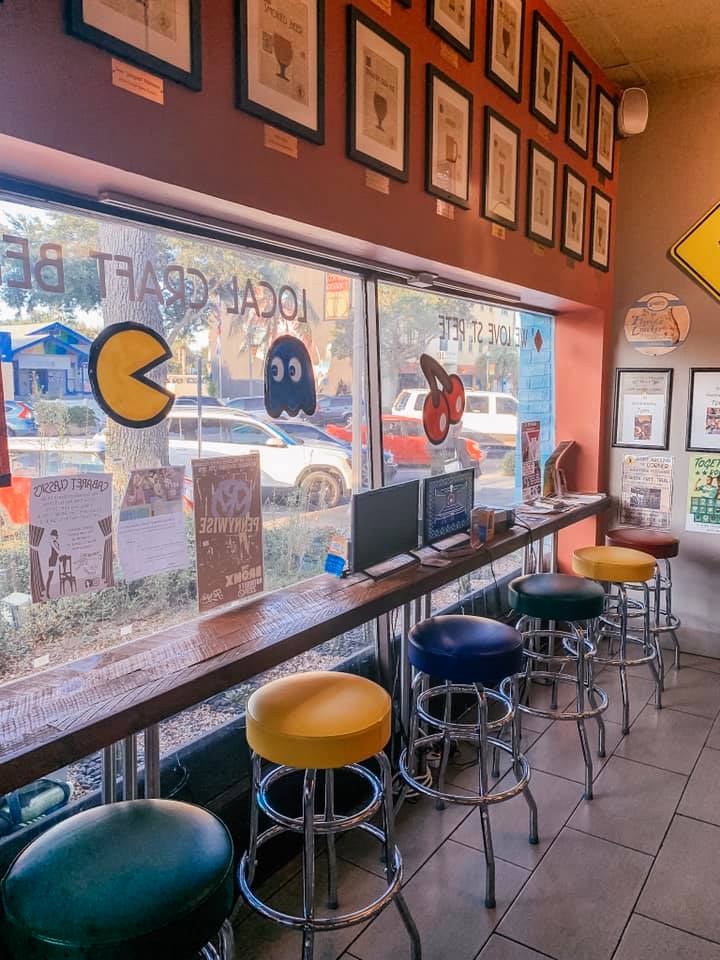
[(281, 142), (538, 249), (444, 209), (137, 81), (385, 5), (498, 231), (448, 54), (377, 181)]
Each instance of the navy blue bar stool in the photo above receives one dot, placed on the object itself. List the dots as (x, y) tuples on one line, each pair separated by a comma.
[(544, 601), (468, 655)]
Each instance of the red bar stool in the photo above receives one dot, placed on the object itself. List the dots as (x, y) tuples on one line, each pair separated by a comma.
[(663, 546)]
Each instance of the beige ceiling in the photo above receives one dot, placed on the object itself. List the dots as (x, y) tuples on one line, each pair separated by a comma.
[(639, 42)]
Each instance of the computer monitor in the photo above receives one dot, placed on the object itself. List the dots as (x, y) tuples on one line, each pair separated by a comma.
[(384, 523), (447, 504)]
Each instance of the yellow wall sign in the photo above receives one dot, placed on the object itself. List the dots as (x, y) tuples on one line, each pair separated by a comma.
[(698, 252), (120, 357)]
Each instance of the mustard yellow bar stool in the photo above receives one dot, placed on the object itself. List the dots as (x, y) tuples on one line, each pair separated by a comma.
[(618, 568), (321, 722)]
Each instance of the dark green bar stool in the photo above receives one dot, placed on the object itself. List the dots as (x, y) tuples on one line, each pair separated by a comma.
[(140, 880)]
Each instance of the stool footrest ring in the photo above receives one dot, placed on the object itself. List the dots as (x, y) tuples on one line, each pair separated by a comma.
[(557, 714)]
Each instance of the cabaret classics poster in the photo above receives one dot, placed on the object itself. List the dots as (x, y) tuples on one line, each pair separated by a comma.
[(228, 529)]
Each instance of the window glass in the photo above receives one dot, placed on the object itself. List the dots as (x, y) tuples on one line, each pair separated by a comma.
[(476, 403), (506, 405)]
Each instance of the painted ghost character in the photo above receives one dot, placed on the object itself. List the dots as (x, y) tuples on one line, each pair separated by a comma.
[(289, 378)]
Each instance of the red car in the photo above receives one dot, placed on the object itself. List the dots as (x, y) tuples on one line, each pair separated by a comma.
[(405, 439)]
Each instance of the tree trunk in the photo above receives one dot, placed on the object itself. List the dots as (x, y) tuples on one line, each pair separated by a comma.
[(127, 448)]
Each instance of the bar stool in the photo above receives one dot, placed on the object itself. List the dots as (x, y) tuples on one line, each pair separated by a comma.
[(619, 568), (322, 721), (558, 598), (469, 655), (128, 881), (663, 546)]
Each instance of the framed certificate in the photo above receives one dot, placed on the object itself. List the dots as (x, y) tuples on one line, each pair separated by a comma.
[(642, 408), (504, 45), (703, 428), (449, 131), (542, 179), (546, 70), (454, 21), (502, 152), (572, 233), (577, 111)]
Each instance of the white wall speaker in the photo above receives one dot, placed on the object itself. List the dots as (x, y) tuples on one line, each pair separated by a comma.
[(632, 115)]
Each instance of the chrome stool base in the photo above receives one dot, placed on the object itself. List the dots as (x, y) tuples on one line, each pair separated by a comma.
[(221, 947), (327, 824)]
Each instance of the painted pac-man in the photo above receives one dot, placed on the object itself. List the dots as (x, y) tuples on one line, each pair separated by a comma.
[(289, 378), (120, 357)]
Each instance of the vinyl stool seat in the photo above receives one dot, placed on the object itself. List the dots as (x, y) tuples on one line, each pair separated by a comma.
[(556, 596), (658, 543), (319, 721), (465, 649), (127, 881), (613, 564)]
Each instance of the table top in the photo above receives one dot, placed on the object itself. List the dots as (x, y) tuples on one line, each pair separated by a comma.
[(61, 715)]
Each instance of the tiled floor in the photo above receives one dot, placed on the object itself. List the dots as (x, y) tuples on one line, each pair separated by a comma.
[(632, 875)]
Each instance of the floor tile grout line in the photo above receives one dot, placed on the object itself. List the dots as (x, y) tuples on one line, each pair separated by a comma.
[(672, 926), (504, 936), (617, 843)]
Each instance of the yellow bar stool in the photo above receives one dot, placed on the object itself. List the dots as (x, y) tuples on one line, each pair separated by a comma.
[(620, 569), (314, 722)]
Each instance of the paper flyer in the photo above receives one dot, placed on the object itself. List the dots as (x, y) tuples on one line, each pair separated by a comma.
[(703, 507), (530, 454), (151, 526), (71, 550), (646, 492), (228, 529)]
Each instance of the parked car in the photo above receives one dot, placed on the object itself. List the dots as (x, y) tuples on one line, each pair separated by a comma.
[(336, 410), (405, 438), (314, 435), (490, 414), (255, 405), (20, 419), (191, 401), (323, 474)]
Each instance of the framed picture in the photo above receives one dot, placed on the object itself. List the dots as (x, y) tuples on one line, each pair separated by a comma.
[(504, 50), (600, 226), (546, 70), (572, 239), (163, 38), (703, 428), (378, 97), (577, 119), (449, 134), (604, 133), (280, 55), (502, 155), (542, 180), (454, 21), (642, 408)]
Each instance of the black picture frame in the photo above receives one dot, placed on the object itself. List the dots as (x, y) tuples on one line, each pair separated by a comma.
[(77, 27), (574, 63), (467, 51), (534, 147), (512, 224), (355, 17), (619, 372), (243, 94), (433, 74), (691, 403), (568, 251), (598, 264), (600, 96), (538, 22), (511, 91)]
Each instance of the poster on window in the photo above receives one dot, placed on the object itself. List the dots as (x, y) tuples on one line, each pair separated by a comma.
[(151, 525), (703, 510), (228, 529), (530, 456), (646, 492), (70, 535)]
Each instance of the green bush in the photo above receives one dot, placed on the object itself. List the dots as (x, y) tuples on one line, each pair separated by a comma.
[(508, 464)]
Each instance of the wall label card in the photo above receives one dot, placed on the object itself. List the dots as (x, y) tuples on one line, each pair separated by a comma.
[(448, 54), (377, 181), (151, 526), (498, 232), (137, 81), (444, 209), (71, 550), (646, 492), (703, 506), (228, 529), (385, 6), (280, 142)]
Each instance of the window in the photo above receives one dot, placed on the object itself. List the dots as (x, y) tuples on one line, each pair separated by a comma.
[(249, 434), (477, 404), (419, 401), (506, 405)]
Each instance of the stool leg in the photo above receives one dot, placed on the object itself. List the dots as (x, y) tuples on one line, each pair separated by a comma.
[(623, 656), (515, 732), (591, 628), (587, 753), (668, 613), (651, 641), (446, 744), (308, 861), (254, 817), (389, 817), (484, 807), (332, 900)]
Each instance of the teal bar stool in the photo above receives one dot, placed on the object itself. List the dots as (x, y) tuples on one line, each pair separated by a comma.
[(139, 880)]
